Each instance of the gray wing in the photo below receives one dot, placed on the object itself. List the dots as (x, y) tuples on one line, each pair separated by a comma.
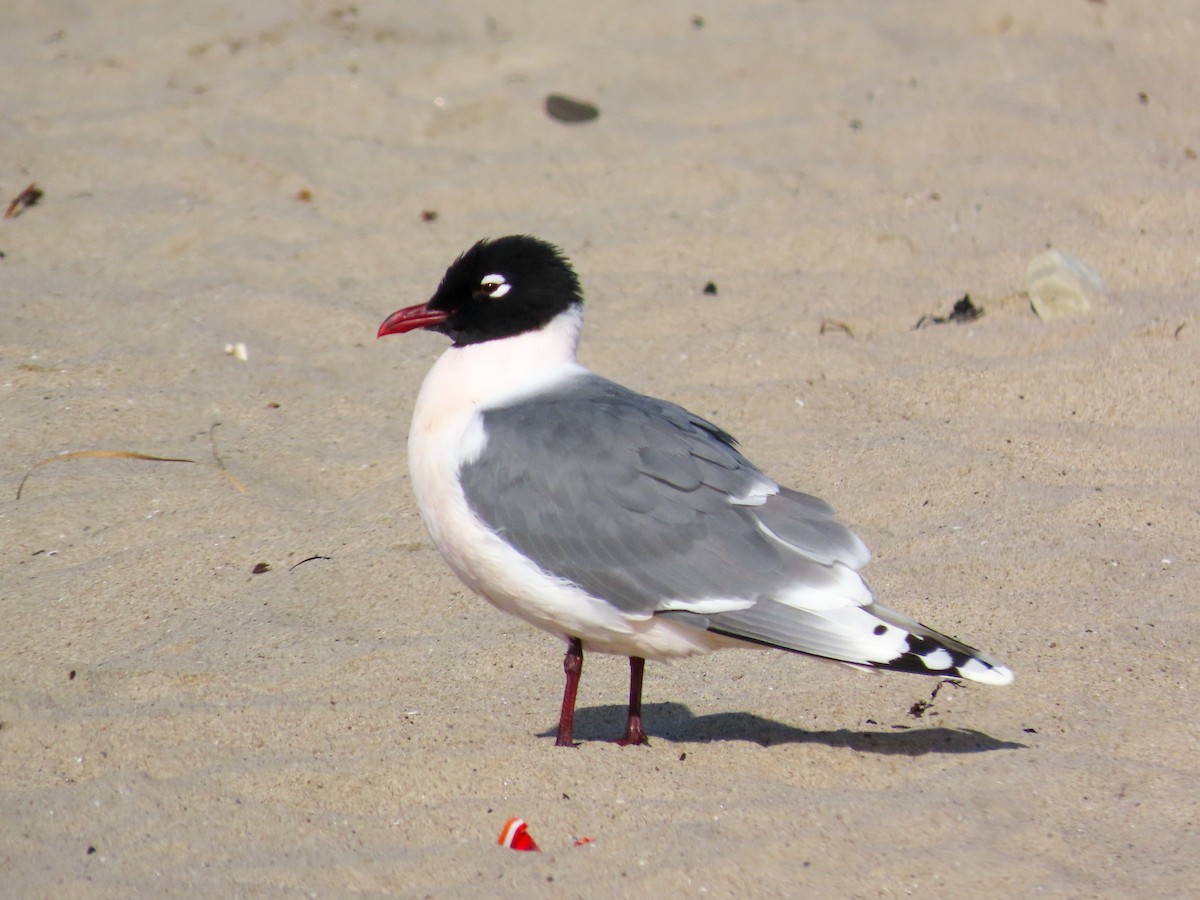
[(646, 505)]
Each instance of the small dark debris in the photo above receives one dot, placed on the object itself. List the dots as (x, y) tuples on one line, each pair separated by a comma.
[(1189, 153), (1143, 98), (272, 405), (91, 850), (304, 195), (569, 110), (259, 568), (27, 198), (429, 215), (711, 288), (697, 21), (964, 311), (828, 325), (566, 796), (902, 727), (856, 124), (1030, 730), (921, 707), (71, 675), (872, 722), (683, 756), (309, 559), (953, 682)]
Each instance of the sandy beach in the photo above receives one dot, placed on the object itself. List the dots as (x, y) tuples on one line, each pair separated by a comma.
[(251, 675)]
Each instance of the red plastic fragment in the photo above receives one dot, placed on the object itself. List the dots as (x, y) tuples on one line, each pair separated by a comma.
[(515, 836)]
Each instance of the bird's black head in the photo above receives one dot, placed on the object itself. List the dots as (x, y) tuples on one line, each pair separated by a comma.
[(497, 289)]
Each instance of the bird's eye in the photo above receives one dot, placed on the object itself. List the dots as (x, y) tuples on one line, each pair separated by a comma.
[(494, 286)]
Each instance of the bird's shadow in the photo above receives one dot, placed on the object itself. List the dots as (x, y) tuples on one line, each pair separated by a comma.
[(675, 722)]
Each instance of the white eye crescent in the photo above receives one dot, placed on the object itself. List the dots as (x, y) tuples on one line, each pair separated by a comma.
[(494, 286)]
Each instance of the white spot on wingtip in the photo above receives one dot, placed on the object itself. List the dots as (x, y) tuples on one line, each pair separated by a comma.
[(975, 670), (937, 660)]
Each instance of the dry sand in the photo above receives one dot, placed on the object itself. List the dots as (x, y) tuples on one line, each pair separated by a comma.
[(172, 724)]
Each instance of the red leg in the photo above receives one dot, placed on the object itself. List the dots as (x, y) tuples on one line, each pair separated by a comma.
[(573, 666), (633, 725)]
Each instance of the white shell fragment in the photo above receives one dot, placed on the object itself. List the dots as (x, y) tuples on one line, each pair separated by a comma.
[(1061, 286), (238, 351)]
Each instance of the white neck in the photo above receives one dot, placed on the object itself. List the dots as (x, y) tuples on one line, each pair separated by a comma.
[(491, 373)]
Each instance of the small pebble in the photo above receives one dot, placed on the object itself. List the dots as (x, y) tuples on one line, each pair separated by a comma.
[(570, 110)]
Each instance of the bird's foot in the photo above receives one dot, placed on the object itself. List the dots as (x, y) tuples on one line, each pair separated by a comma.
[(633, 735)]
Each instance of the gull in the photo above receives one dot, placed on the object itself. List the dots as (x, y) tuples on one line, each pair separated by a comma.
[(619, 522)]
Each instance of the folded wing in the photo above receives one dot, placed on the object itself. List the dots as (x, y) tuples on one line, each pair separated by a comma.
[(653, 509)]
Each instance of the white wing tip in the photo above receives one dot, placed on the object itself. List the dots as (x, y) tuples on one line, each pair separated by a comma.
[(974, 670)]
